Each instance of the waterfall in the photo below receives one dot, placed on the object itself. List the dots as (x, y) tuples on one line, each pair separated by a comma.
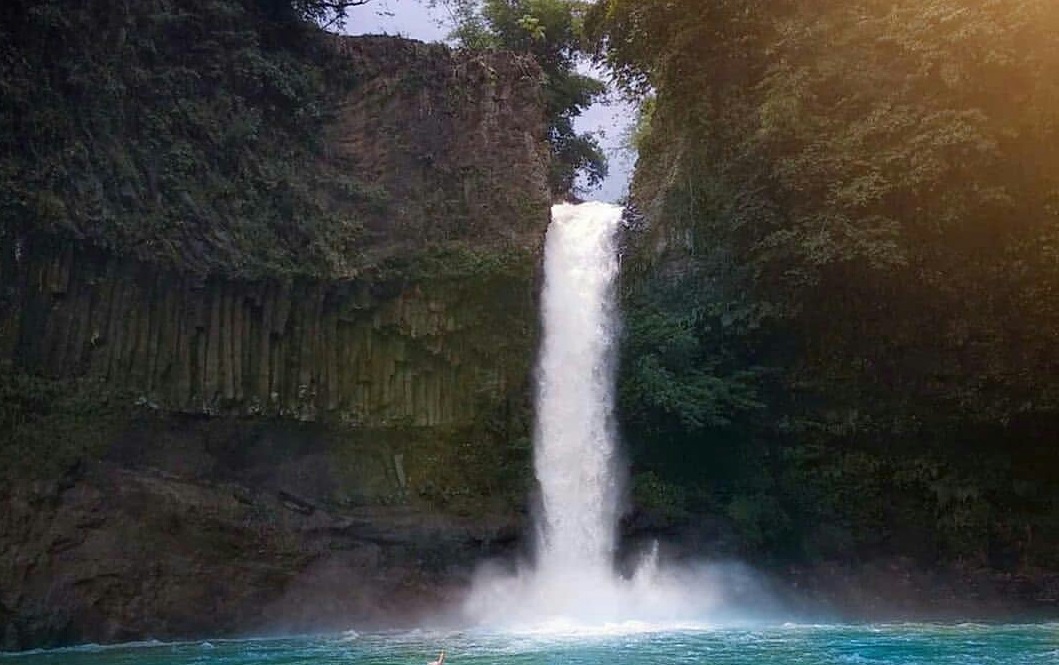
[(575, 455), (574, 444), (574, 583)]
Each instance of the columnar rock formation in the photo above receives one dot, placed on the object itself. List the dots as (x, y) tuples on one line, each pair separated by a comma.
[(304, 349), (319, 433)]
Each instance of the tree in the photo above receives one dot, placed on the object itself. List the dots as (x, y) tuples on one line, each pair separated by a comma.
[(550, 31), (324, 13)]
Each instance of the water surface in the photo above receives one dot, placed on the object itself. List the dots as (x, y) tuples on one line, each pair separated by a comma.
[(895, 644)]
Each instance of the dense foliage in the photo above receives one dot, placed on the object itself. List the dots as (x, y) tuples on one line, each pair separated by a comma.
[(185, 132), (550, 31), (842, 301)]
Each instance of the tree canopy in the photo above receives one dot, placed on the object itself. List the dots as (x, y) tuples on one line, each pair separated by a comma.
[(325, 13), (175, 130), (550, 31)]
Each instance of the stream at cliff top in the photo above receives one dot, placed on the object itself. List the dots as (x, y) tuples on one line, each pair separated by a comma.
[(901, 644)]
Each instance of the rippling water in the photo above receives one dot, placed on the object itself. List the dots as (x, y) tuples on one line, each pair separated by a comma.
[(904, 644)]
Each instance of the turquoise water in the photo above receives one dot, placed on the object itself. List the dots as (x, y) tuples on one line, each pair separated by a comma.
[(898, 644)]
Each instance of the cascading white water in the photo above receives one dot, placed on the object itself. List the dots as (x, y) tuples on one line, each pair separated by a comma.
[(574, 443), (575, 454)]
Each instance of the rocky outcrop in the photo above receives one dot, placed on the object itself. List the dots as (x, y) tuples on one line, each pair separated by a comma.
[(449, 142), (109, 554), (311, 449)]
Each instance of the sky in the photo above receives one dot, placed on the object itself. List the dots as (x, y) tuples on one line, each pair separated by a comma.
[(415, 20)]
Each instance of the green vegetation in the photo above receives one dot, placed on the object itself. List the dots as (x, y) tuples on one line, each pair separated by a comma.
[(550, 31), (70, 420), (842, 318), (185, 133), (321, 12)]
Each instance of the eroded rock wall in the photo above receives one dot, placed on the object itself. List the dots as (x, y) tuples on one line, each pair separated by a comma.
[(357, 352), (195, 449), (450, 142)]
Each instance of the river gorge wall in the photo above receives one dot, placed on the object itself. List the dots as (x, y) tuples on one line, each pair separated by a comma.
[(198, 444)]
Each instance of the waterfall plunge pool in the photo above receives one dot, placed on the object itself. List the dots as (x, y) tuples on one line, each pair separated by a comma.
[(627, 644)]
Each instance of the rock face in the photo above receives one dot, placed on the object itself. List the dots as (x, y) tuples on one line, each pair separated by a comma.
[(356, 351), (453, 141), (286, 453), (110, 552)]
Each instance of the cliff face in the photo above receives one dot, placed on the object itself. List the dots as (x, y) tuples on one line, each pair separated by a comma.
[(196, 449), (449, 145), (848, 358), (358, 352)]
